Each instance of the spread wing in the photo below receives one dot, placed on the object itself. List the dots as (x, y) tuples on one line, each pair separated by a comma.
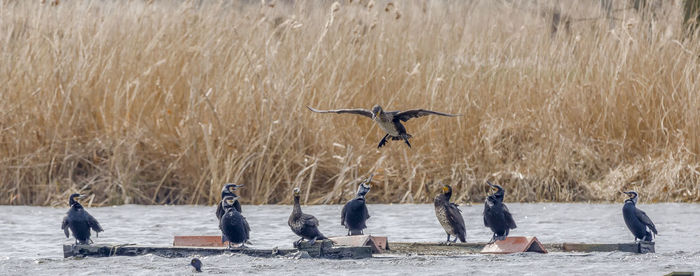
[(64, 226), (342, 215), (646, 220), (509, 218), (415, 113), (92, 222), (357, 111), (309, 220)]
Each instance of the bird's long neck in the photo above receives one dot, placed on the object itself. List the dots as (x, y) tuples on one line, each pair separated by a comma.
[(632, 200), (448, 195), (297, 207)]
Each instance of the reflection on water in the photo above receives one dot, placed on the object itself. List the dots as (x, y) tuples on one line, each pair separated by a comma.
[(31, 240)]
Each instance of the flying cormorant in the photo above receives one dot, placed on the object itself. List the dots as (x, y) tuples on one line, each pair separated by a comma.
[(354, 213), (79, 221), (228, 190), (449, 215), (389, 121), (637, 221), (197, 264), (496, 215), (304, 225), (234, 227)]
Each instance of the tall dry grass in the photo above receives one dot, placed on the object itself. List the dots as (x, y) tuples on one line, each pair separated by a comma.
[(156, 102)]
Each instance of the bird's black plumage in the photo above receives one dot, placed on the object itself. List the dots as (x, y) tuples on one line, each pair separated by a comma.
[(234, 227), (197, 264), (449, 215), (79, 221), (497, 217), (355, 213), (389, 121), (228, 190), (637, 220), (303, 225)]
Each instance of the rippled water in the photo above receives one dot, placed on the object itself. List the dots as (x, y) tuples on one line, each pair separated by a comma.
[(31, 239)]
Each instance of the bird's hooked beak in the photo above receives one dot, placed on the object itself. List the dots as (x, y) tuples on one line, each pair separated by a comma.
[(232, 188), (368, 181)]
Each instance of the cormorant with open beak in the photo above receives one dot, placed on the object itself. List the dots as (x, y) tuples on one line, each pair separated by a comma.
[(449, 215), (389, 121), (234, 227), (228, 190), (304, 225), (355, 213), (79, 221), (497, 216), (637, 221)]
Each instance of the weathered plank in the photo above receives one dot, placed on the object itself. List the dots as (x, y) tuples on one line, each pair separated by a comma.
[(324, 249), (428, 248)]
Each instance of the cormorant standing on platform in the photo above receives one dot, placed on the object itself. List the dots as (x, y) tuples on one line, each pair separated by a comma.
[(304, 225), (449, 215), (228, 190), (497, 216), (79, 222), (389, 121), (355, 213), (234, 227), (637, 221)]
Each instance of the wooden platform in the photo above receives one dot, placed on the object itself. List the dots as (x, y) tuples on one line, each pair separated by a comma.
[(321, 249), (326, 249), (429, 248)]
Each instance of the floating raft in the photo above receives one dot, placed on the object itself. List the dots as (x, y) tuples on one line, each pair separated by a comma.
[(321, 249), (355, 247)]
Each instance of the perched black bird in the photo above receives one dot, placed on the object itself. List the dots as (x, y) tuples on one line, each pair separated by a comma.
[(354, 213), (234, 227), (304, 225), (197, 264), (80, 222), (637, 221), (228, 190), (389, 121), (449, 215), (496, 215)]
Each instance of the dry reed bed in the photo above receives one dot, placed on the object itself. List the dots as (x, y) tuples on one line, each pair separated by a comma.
[(152, 102)]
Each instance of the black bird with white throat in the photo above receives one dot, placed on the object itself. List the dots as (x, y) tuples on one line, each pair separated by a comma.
[(389, 121), (79, 221), (449, 215), (229, 189), (637, 220), (234, 227), (497, 217), (355, 213)]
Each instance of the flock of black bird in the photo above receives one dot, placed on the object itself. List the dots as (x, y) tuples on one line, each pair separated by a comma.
[(235, 228)]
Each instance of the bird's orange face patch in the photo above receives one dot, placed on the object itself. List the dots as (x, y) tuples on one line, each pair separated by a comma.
[(445, 189)]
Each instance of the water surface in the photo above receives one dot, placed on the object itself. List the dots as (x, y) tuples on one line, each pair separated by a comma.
[(31, 240)]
